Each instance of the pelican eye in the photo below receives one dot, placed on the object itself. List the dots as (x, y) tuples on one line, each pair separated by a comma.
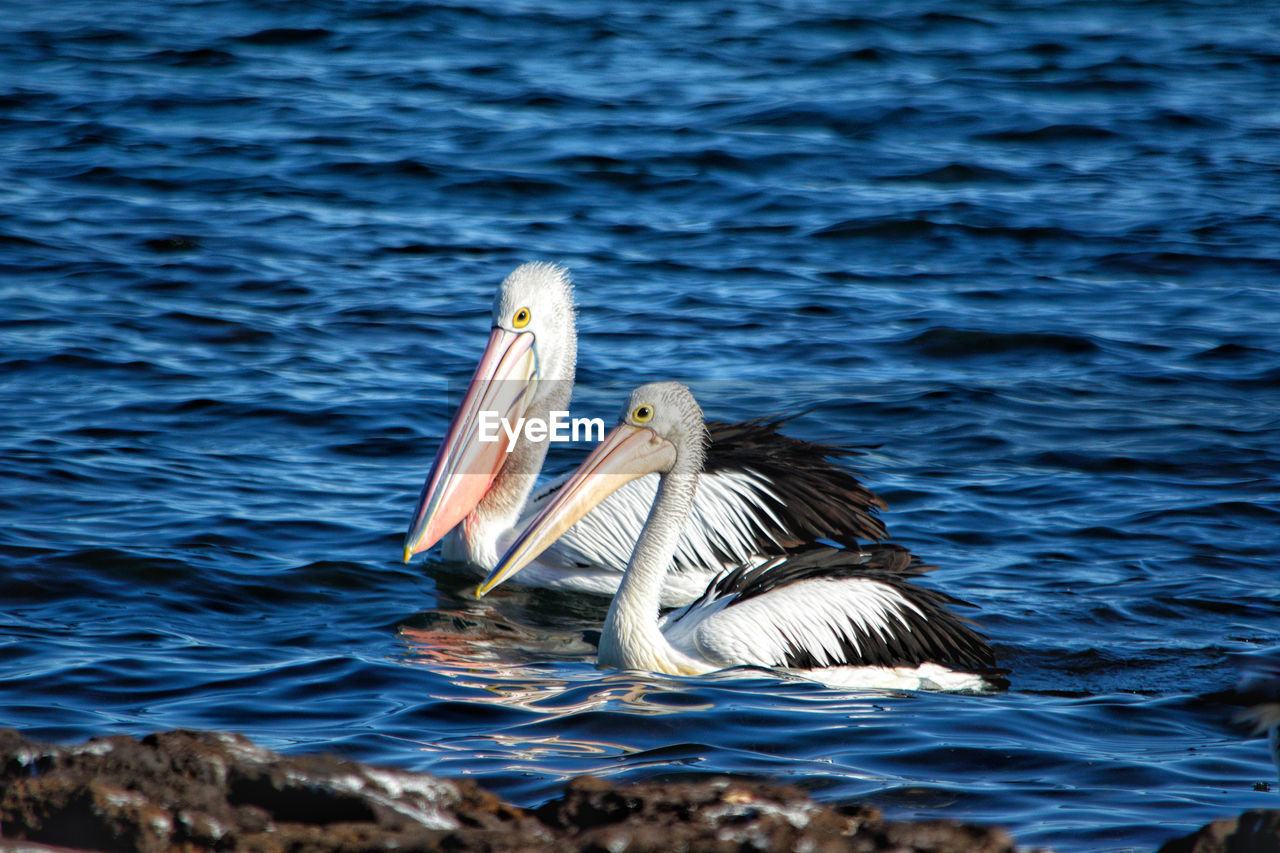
[(521, 319), (642, 414)]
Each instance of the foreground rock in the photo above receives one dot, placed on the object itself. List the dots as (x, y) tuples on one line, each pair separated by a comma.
[(197, 791), (205, 791), (1256, 831)]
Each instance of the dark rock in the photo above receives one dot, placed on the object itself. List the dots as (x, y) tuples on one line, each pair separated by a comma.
[(209, 791), (1256, 831), (201, 791), (735, 815)]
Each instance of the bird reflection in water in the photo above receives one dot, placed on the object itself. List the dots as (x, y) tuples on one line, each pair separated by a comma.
[(515, 666), (535, 652), (507, 665)]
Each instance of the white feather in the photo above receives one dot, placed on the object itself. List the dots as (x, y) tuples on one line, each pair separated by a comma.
[(926, 676), (592, 555), (812, 615)]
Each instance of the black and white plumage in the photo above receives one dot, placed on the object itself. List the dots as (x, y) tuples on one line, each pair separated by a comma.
[(858, 605), (761, 493), (848, 617)]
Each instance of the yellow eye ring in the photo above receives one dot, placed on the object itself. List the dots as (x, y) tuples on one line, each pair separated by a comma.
[(642, 414), (521, 319)]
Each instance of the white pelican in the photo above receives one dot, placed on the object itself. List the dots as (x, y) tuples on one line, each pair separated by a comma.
[(760, 493), (839, 617)]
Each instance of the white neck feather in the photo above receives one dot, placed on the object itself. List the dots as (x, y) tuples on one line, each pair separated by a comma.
[(631, 638)]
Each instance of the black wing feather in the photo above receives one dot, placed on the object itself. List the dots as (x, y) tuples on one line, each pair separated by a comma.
[(816, 499)]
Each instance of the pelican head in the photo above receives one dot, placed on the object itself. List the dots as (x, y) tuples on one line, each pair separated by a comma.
[(660, 431), (526, 370)]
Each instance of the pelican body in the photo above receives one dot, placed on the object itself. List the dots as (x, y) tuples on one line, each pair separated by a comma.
[(760, 493), (848, 617)]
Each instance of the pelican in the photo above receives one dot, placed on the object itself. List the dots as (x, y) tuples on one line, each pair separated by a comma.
[(760, 493), (851, 618)]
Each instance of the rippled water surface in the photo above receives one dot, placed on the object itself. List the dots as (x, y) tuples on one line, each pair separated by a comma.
[(1023, 252)]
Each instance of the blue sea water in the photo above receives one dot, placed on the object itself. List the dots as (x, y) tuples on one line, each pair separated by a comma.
[(1024, 253)]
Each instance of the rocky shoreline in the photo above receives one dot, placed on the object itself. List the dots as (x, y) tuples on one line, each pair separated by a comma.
[(198, 791)]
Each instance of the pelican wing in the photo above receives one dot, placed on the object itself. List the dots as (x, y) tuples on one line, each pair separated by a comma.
[(723, 528), (826, 608), (760, 494), (809, 495)]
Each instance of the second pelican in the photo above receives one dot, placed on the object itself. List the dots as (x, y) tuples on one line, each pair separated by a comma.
[(839, 617)]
